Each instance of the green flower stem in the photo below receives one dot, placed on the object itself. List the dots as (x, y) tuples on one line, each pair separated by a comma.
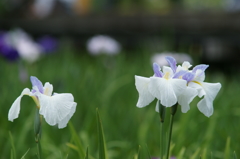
[(173, 111), (161, 140), (39, 149), (162, 110), (38, 132)]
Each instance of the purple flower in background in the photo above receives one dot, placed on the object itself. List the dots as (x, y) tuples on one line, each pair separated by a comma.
[(28, 49), (6, 50), (48, 44)]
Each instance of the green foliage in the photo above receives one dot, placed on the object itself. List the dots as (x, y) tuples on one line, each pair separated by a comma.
[(86, 156), (107, 82), (23, 157), (13, 150), (76, 140), (101, 138)]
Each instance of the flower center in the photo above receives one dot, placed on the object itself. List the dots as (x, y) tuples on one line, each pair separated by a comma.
[(167, 75)]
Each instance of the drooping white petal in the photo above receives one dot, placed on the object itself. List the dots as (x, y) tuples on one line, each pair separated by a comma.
[(15, 108), (47, 89), (206, 104), (165, 90), (186, 98), (56, 108), (145, 97), (63, 123)]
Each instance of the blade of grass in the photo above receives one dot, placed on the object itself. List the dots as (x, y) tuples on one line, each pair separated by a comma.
[(204, 154), (196, 153), (76, 140), (101, 138), (227, 149), (13, 152), (86, 157), (181, 153), (149, 155), (139, 148), (234, 155), (23, 157)]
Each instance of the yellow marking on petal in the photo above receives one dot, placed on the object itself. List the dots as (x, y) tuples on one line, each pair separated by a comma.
[(36, 101), (46, 91), (197, 82), (167, 75)]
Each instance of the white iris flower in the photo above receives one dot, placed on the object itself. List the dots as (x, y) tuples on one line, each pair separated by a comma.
[(177, 84), (57, 109)]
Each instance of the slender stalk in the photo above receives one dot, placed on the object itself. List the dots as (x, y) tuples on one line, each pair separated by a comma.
[(161, 141), (173, 111), (161, 109), (39, 150), (170, 135), (38, 132)]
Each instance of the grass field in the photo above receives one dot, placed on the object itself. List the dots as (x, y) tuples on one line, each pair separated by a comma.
[(107, 83)]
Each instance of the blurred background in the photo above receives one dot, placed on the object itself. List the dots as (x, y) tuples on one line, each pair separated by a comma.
[(93, 49)]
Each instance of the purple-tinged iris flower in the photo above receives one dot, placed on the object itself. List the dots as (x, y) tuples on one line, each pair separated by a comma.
[(28, 49), (177, 84), (57, 109), (48, 44), (6, 50), (164, 85)]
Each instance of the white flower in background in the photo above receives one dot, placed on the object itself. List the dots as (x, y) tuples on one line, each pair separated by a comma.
[(177, 84), (43, 8), (159, 58), (103, 44), (57, 109), (23, 43)]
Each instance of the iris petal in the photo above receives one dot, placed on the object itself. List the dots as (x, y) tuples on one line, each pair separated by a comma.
[(36, 82), (63, 123), (156, 70), (15, 108), (145, 97), (180, 73), (56, 108), (172, 63), (202, 67), (206, 104), (186, 98), (48, 88), (188, 76), (166, 90)]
